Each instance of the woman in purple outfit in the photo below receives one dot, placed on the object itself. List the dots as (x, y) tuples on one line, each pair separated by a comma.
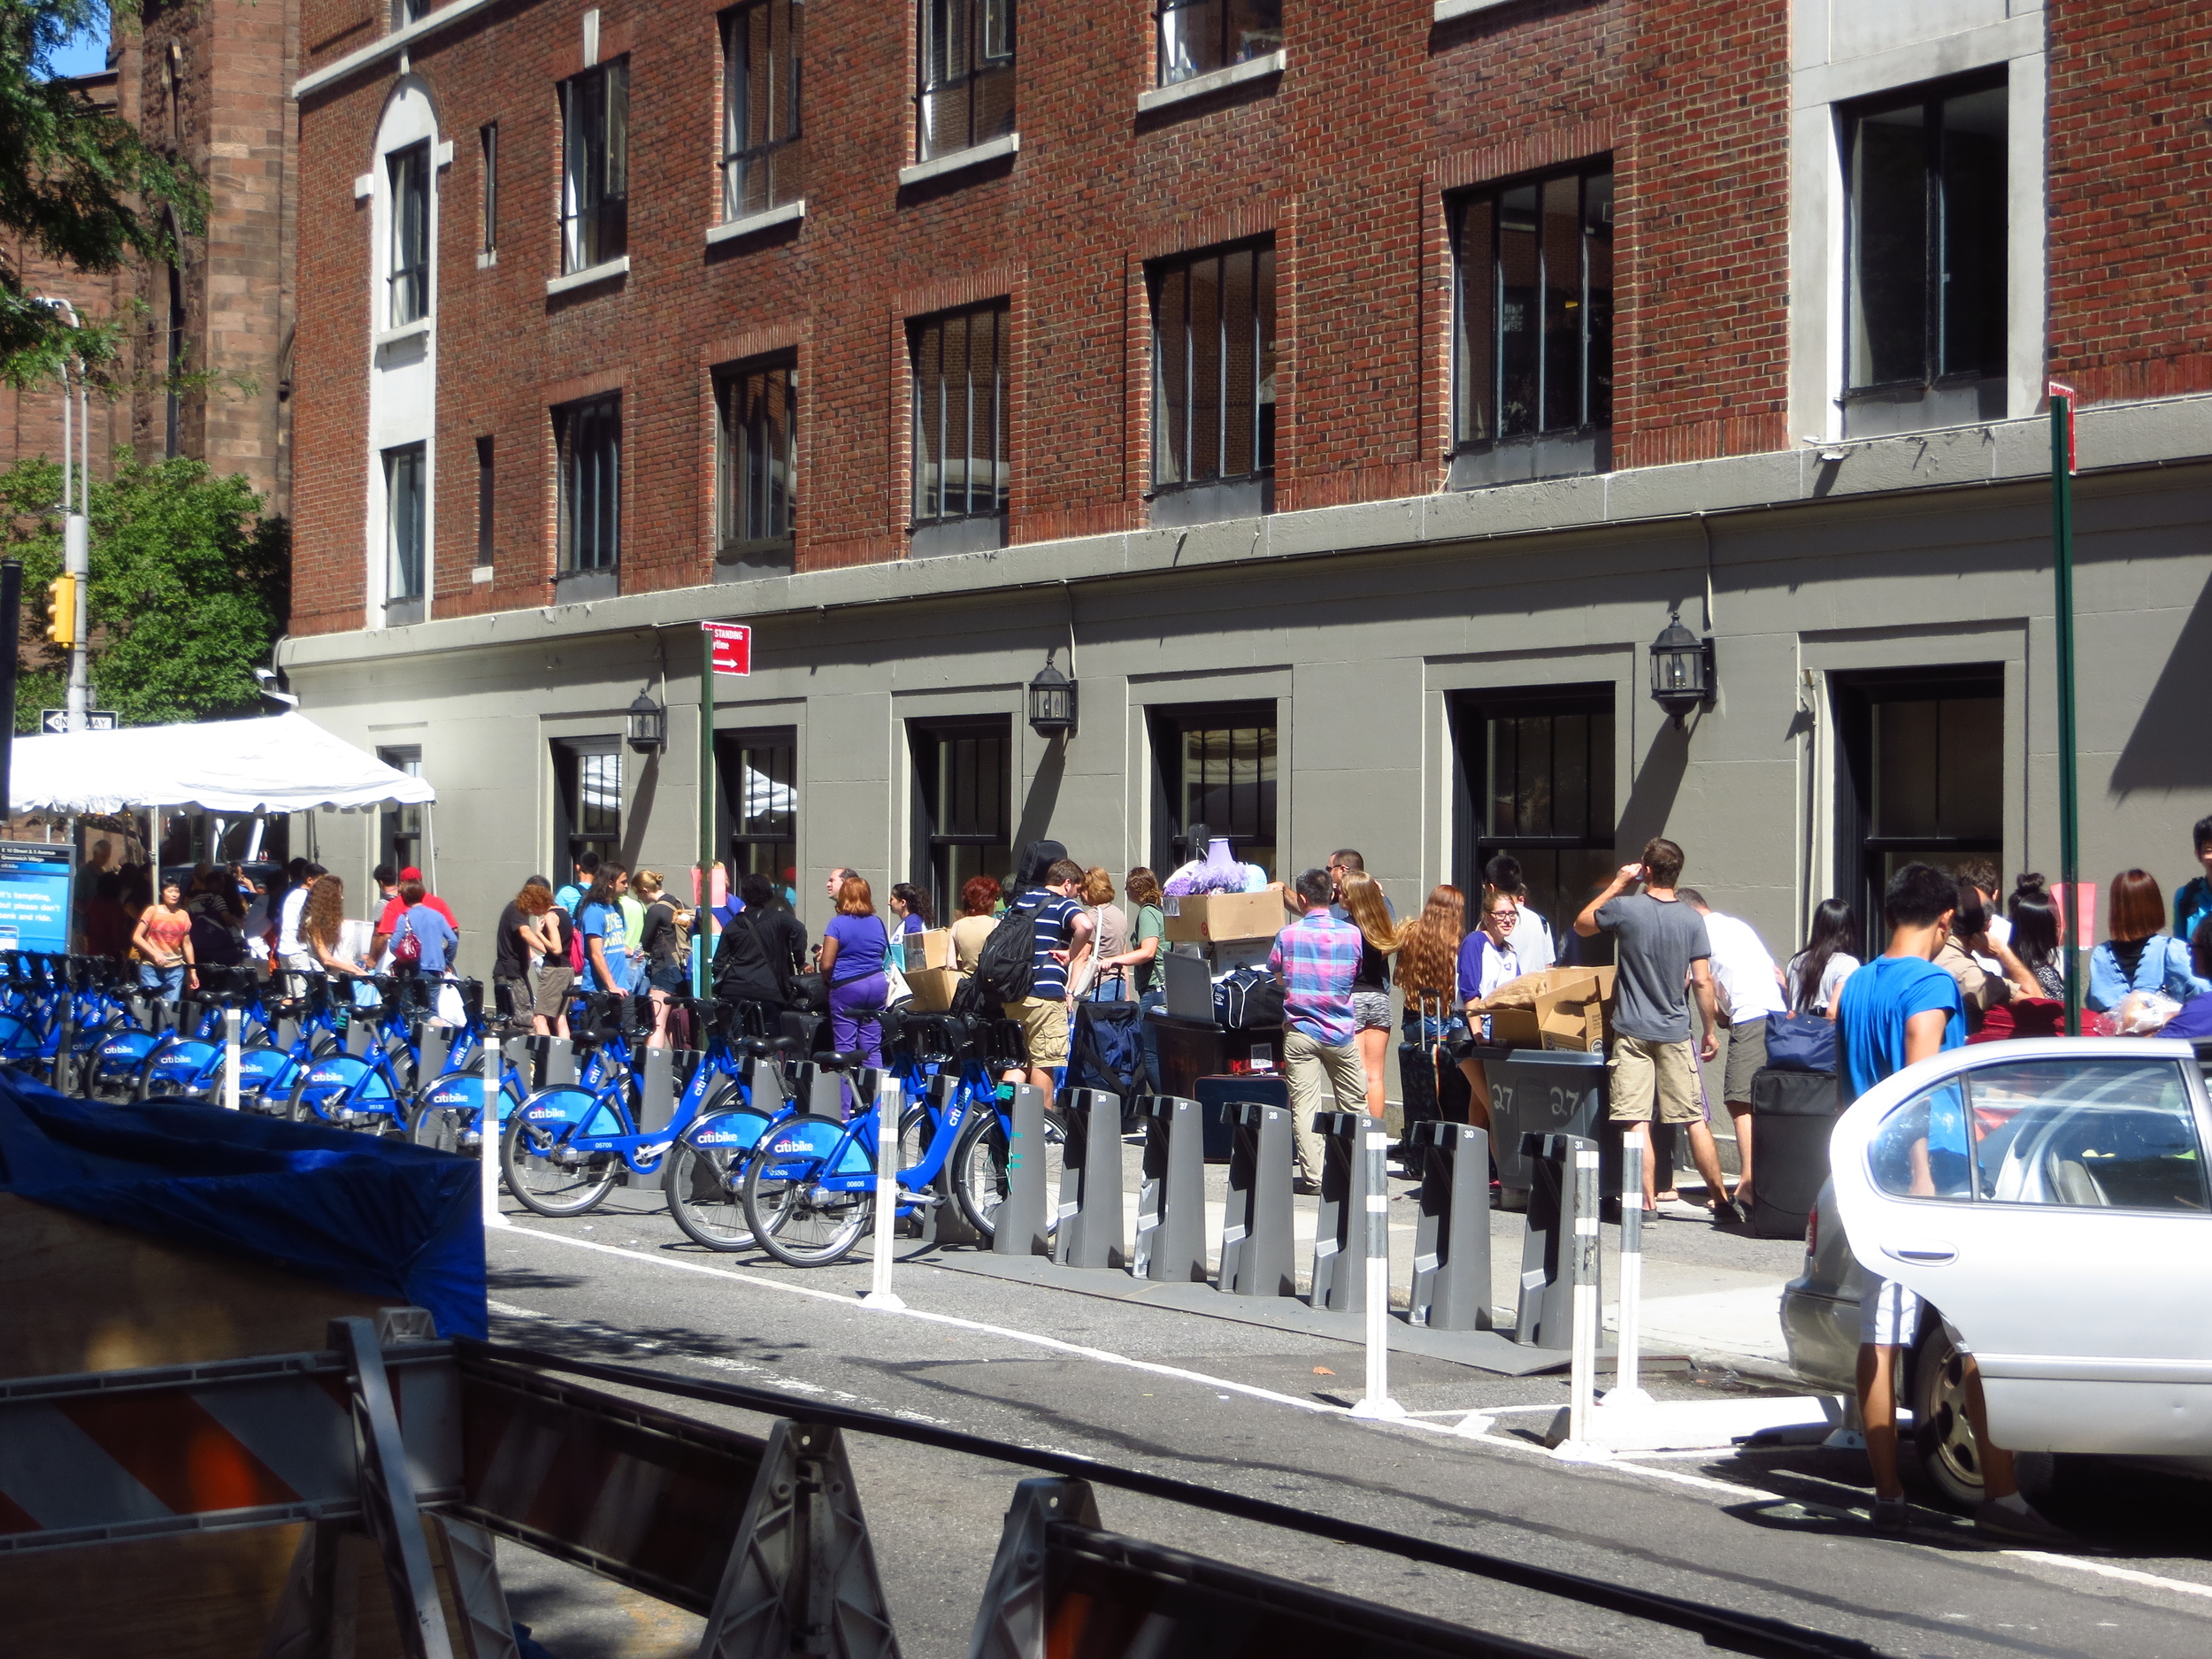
[(853, 947)]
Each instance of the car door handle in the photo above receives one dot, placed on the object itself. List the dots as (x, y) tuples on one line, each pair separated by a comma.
[(1922, 1255)]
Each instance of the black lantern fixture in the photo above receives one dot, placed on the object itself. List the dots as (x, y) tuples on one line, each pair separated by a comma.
[(1682, 674), (1051, 701), (648, 725)]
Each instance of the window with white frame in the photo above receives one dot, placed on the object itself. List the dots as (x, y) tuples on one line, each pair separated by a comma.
[(763, 160), (1925, 278), (756, 458), (596, 166), (1197, 37), (406, 513), (409, 278), (590, 447), (965, 96)]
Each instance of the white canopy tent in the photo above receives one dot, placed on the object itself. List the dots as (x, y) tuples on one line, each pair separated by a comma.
[(279, 764)]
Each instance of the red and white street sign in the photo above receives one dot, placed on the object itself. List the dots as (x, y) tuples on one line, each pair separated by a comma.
[(2057, 388), (733, 647)]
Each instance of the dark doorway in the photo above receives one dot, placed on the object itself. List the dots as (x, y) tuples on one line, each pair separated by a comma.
[(1217, 764), (1535, 780), (964, 772)]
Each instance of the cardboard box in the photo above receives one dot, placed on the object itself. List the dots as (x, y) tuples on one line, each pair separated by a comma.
[(932, 949), (932, 988), (1216, 917), (1579, 1026)]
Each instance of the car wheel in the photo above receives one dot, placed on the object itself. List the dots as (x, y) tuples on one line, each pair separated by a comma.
[(1950, 1459)]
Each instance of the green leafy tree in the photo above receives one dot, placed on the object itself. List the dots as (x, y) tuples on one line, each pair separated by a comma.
[(190, 588), (77, 183)]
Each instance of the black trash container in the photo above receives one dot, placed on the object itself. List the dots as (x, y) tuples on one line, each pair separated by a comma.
[(1540, 1092), (1791, 1115)]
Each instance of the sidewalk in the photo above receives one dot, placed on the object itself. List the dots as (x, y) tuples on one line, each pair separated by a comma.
[(1709, 1293)]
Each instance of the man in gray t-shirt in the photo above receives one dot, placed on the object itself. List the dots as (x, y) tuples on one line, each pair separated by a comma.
[(1661, 957)]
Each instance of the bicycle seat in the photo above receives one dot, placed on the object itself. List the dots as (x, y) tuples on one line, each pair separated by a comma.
[(758, 1047), (847, 1060)]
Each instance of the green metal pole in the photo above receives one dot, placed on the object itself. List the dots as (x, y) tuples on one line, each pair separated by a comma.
[(2069, 801), (706, 810)]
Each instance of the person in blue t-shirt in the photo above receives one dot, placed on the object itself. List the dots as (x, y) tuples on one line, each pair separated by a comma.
[(606, 932), (1899, 1010), (430, 931)]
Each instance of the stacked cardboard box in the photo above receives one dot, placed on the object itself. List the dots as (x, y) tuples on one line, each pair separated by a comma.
[(930, 972), (1554, 1007)]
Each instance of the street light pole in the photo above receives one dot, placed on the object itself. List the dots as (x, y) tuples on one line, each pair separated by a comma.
[(76, 522), (2068, 783)]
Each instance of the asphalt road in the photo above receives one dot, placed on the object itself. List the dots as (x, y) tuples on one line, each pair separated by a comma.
[(1258, 1411)]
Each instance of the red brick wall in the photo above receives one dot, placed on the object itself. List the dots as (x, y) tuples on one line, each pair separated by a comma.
[(2130, 198), (1346, 163)]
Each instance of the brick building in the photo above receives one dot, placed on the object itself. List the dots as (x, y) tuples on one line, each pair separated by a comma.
[(1349, 394), (209, 81)]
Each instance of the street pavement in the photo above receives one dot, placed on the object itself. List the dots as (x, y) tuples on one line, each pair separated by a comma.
[(1262, 1411)]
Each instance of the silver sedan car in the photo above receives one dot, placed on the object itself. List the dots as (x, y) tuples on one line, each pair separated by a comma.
[(2050, 1198)]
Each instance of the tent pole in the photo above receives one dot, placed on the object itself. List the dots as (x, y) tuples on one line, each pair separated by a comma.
[(429, 848)]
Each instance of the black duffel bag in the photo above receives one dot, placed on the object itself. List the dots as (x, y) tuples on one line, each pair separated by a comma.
[(1248, 998)]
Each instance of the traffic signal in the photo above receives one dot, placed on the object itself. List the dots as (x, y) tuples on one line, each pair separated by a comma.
[(61, 601)]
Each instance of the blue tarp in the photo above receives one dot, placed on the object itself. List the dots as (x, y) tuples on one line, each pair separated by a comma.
[(381, 1218)]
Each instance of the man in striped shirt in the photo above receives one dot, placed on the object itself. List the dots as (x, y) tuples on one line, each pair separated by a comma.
[(1317, 958)]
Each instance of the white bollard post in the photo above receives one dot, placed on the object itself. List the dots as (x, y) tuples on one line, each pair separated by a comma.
[(1627, 1392), (232, 1060), (487, 1140), (1376, 1402), (1584, 1352), (888, 1108)]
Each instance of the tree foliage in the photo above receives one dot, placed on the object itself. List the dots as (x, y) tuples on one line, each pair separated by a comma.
[(77, 183), (190, 588)]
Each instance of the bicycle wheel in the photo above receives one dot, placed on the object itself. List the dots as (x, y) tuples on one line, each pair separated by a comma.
[(978, 1171), (544, 1167), (346, 1092), (794, 1218), (445, 1115), (705, 1172)]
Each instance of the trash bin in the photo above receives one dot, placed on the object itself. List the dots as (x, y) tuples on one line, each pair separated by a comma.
[(1791, 1115), (1540, 1092), (1218, 1098)]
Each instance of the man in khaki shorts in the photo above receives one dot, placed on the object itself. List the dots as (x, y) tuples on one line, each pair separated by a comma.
[(1661, 954), (1047, 886)]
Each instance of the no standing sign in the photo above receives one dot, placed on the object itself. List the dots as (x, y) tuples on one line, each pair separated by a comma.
[(733, 647)]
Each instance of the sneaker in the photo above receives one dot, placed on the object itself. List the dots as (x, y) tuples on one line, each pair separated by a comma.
[(1891, 1517), (1995, 1520)]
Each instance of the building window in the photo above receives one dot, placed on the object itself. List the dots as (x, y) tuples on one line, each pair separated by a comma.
[(1925, 175), (960, 468), (596, 166), (963, 789), (172, 430), (410, 281), (1923, 776), (1217, 766), (405, 510), (587, 802), (406, 11), (1213, 367), (590, 434), (1200, 36), (1532, 368), (484, 498), (488, 156), (966, 95), (762, 163), (1535, 780), (760, 804), (756, 459), (399, 829)]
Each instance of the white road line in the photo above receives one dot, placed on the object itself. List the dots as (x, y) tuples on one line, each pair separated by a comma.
[(2106, 1569), (1734, 1491)]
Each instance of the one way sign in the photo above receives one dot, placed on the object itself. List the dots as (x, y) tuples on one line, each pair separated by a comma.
[(56, 720)]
